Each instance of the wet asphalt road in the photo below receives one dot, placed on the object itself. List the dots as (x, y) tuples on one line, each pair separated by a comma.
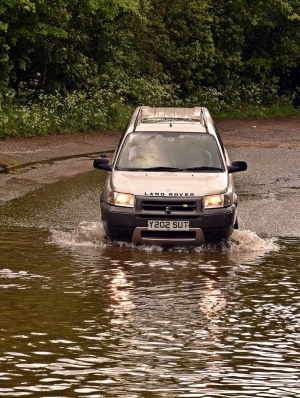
[(269, 190)]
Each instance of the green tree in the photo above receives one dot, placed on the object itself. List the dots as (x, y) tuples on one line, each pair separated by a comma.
[(48, 44), (176, 39), (272, 43), (155, 51)]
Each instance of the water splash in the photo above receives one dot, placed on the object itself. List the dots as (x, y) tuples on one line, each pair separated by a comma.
[(245, 240), (93, 234), (85, 234)]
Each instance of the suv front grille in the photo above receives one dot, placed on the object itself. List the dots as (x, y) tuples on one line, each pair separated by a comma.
[(165, 206)]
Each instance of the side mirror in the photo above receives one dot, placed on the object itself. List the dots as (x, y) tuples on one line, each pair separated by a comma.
[(102, 164), (237, 165)]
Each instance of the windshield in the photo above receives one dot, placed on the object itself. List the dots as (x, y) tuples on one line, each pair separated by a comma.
[(170, 151)]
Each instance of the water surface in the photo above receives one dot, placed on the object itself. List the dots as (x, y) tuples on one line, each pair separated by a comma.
[(82, 318)]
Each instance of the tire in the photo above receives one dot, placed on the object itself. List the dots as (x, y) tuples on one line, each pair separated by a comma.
[(236, 224)]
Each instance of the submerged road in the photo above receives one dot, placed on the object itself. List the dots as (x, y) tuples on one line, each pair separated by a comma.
[(269, 191), (88, 319), (269, 200)]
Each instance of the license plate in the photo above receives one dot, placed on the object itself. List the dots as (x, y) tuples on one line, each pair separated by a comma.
[(168, 225)]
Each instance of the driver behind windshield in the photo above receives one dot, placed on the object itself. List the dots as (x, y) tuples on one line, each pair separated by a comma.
[(182, 151), (146, 153)]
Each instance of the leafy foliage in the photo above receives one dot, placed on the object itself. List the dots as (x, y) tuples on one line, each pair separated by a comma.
[(229, 53)]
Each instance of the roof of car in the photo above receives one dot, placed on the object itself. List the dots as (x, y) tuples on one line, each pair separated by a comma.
[(197, 119)]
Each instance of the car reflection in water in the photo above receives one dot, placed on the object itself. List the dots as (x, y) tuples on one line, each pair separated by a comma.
[(212, 300), (121, 293)]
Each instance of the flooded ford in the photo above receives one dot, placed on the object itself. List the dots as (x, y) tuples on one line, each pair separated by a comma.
[(83, 317)]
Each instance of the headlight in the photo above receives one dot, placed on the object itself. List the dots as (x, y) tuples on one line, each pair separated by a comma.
[(121, 199), (215, 201)]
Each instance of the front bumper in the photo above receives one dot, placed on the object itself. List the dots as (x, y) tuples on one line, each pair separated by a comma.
[(131, 224)]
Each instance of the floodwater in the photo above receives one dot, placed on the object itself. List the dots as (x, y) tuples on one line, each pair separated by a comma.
[(82, 318)]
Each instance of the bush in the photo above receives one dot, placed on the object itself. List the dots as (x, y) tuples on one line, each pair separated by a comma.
[(237, 101), (55, 114), (27, 115)]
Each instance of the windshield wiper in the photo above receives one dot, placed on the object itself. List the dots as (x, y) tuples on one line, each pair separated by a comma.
[(162, 168), (156, 168), (171, 169), (202, 168)]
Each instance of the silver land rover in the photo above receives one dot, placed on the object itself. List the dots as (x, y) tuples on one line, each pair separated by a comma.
[(170, 180)]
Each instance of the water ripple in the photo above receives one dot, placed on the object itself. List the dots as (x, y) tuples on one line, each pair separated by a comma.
[(126, 322)]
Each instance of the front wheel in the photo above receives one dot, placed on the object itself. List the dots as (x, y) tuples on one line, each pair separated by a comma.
[(236, 224)]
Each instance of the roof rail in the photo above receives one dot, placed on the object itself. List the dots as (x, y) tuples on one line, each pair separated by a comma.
[(203, 114), (138, 118), (147, 114)]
